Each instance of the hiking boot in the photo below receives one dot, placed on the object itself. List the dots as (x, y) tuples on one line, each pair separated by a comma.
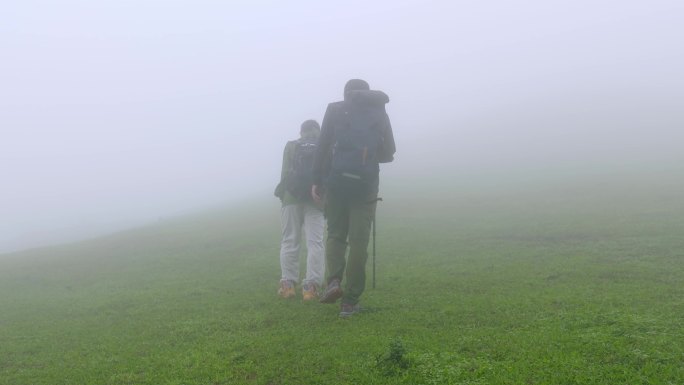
[(348, 310), (309, 291), (332, 293), (286, 289)]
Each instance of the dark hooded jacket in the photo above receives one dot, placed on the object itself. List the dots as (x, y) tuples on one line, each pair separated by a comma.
[(309, 131), (364, 107)]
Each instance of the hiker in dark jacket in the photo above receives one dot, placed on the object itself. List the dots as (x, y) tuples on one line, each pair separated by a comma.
[(299, 213), (355, 137)]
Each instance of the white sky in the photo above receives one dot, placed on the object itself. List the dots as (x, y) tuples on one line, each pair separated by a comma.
[(115, 112)]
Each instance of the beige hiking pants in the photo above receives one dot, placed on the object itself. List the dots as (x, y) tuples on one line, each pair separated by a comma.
[(307, 219)]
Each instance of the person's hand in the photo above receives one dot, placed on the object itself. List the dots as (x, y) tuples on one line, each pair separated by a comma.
[(315, 194)]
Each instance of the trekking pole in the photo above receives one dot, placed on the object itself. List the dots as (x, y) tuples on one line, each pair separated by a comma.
[(373, 224), (373, 249)]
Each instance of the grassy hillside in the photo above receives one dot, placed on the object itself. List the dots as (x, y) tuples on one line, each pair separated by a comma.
[(518, 281)]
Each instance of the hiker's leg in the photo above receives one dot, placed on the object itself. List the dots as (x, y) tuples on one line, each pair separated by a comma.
[(361, 217), (314, 227), (291, 226), (337, 215)]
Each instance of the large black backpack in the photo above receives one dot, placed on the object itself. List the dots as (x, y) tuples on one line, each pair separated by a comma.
[(358, 136), (300, 177)]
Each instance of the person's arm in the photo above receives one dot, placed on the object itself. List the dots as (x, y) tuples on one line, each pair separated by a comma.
[(323, 151), (388, 147), (324, 148), (286, 165), (287, 161)]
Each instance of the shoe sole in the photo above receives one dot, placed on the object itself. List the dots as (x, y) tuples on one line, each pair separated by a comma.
[(332, 296), (345, 314)]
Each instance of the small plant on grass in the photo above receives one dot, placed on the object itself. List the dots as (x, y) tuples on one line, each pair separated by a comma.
[(394, 360)]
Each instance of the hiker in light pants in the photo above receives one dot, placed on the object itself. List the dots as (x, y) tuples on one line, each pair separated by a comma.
[(300, 216)]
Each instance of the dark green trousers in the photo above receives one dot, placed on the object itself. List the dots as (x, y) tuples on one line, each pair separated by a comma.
[(349, 224)]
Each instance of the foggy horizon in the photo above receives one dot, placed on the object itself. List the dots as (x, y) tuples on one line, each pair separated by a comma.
[(117, 114)]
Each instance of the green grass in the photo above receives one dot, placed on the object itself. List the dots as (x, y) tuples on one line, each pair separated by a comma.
[(564, 282)]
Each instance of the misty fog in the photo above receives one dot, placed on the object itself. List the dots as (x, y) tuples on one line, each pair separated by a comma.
[(115, 114)]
